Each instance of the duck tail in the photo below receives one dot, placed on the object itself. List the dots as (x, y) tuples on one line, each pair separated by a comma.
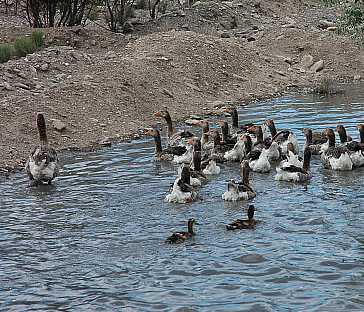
[(230, 227), (41, 125)]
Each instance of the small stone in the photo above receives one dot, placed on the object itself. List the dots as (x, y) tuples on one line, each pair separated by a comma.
[(251, 38), (317, 66), (21, 85), (255, 27), (225, 34), (22, 75), (185, 27), (93, 42), (7, 86), (167, 92), (288, 60), (44, 67), (357, 77), (307, 61), (128, 28), (58, 125), (324, 24), (105, 142), (331, 28), (110, 55)]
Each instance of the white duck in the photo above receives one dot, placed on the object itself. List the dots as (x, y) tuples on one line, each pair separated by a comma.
[(292, 159), (182, 191), (294, 173), (240, 190), (336, 157), (355, 149), (43, 164), (211, 168)]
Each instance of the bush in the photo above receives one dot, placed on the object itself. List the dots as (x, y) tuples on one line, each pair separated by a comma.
[(38, 39), (352, 22), (5, 52), (24, 46)]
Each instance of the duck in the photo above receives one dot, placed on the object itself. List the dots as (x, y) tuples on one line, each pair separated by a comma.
[(219, 149), (292, 173), (261, 164), (206, 145), (227, 139), (197, 176), (316, 148), (360, 128), (180, 237), (166, 154), (355, 149), (240, 190), (211, 169), (344, 138), (182, 191), (174, 138), (42, 166), (336, 157), (291, 158), (238, 152), (249, 223)]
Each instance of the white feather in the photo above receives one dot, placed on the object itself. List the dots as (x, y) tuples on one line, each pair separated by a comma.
[(237, 153), (291, 176), (262, 164), (292, 159), (186, 158), (211, 168), (177, 196), (343, 163), (357, 158)]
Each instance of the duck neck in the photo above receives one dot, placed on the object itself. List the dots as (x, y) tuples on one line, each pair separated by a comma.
[(158, 143), (197, 160), (169, 125), (217, 140), (361, 132), (245, 174), (308, 136), (343, 136), (331, 140), (306, 161), (272, 129), (259, 134), (235, 118), (185, 175), (190, 227), (248, 145), (204, 139), (225, 132)]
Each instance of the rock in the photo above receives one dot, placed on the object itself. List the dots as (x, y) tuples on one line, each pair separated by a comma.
[(357, 77), (185, 27), (331, 28), (324, 24), (317, 66), (22, 75), (128, 28), (288, 60), (307, 61), (192, 122), (21, 85), (167, 92), (251, 38), (225, 34), (58, 125), (110, 55), (255, 27), (44, 67), (93, 42), (192, 86), (105, 142), (7, 86)]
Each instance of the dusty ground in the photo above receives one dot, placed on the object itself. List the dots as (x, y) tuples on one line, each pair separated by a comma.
[(106, 86)]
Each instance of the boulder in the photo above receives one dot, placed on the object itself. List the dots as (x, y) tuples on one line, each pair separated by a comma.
[(317, 66), (58, 125)]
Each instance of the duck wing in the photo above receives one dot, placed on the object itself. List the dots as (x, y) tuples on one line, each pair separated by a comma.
[(293, 168), (177, 237), (175, 150)]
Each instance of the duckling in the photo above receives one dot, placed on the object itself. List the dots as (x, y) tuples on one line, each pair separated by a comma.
[(239, 224), (180, 237), (316, 148), (294, 173), (240, 190), (336, 157), (182, 191), (174, 138), (43, 164), (169, 152), (354, 148)]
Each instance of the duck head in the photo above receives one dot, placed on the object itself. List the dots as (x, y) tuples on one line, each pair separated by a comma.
[(342, 133), (195, 142), (271, 126), (224, 129), (190, 224), (163, 114), (215, 136), (306, 159), (361, 132), (330, 134), (251, 210), (204, 124), (290, 148), (308, 135)]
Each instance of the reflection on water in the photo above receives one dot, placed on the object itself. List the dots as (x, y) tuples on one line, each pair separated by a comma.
[(95, 240)]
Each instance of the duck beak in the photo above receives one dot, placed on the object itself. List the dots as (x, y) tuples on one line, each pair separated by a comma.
[(190, 141), (157, 114)]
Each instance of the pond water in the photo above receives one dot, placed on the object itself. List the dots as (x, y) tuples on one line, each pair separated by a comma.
[(95, 240)]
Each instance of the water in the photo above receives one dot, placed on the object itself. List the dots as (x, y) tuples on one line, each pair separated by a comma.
[(95, 240)]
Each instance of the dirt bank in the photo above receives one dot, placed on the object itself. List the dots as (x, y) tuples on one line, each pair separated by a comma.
[(107, 86)]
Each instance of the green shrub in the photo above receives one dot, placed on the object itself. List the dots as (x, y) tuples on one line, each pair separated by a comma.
[(6, 52), (24, 46), (352, 22), (38, 38)]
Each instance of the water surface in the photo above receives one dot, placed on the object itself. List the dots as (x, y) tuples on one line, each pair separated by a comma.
[(95, 240)]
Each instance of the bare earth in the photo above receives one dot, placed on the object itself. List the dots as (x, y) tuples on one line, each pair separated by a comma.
[(106, 86)]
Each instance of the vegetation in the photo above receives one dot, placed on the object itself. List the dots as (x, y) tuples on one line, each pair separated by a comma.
[(352, 22), (5, 52), (21, 46)]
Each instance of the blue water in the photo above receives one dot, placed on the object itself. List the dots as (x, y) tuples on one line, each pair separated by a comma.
[(95, 240)]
